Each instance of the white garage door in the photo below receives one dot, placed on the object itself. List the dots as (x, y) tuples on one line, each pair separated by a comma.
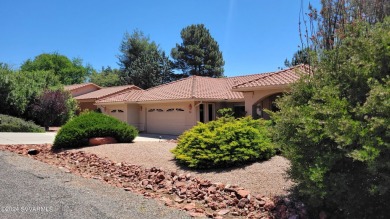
[(166, 120), (118, 113)]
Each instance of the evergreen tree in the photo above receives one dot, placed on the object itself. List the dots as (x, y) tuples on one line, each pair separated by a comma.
[(334, 126), (199, 53), (302, 56), (142, 62)]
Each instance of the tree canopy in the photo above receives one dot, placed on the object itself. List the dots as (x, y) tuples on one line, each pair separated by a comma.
[(68, 71), (332, 20), (107, 77), (302, 56), (17, 95), (52, 106), (142, 62), (199, 53)]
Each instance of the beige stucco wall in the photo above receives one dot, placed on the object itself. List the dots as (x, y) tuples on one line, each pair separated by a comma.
[(83, 90), (133, 115), (254, 96), (87, 106)]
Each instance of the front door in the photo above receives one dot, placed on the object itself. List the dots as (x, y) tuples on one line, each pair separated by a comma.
[(206, 112)]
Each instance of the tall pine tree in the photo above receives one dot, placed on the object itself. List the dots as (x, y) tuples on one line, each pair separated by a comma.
[(142, 62), (199, 53)]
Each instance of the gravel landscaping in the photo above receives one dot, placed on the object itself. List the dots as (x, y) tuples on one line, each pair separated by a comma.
[(266, 178), (199, 196)]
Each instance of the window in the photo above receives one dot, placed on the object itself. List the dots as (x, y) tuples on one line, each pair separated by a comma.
[(120, 111), (179, 109), (113, 111), (239, 111), (201, 113), (170, 110), (211, 112), (151, 110), (160, 110)]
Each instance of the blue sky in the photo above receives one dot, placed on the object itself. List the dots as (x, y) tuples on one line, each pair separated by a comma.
[(254, 35)]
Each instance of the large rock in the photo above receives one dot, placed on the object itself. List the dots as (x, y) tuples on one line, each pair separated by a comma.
[(102, 140), (242, 193)]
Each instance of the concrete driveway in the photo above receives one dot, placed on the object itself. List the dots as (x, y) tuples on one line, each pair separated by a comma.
[(48, 137), (26, 138), (154, 137)]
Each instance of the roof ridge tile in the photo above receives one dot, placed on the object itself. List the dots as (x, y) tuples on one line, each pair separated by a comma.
[(269, 74)]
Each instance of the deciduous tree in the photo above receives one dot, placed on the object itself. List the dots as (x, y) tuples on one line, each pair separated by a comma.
[(50, 107), (21, 87), (68, 71), (107, 77)]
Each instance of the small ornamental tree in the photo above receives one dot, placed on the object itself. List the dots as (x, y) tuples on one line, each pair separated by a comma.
[(50, 107)]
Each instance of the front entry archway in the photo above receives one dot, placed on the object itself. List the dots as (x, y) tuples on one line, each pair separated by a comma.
[(265, 103)]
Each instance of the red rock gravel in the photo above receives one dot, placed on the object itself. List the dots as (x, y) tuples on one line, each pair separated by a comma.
[(200, 197), (267, 177)]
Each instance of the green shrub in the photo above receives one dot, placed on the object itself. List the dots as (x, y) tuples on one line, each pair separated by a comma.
[(224, 142), (334, 128), (78, 130), (13, 124)]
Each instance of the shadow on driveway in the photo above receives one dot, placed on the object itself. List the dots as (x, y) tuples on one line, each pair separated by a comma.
[(154, 137)]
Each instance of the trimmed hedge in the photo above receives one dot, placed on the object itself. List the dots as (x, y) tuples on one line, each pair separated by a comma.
[(14, 124), (77, 131), (224, 142)]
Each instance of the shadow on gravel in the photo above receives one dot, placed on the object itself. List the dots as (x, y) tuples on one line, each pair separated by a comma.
[(59, 150), (220, 169)]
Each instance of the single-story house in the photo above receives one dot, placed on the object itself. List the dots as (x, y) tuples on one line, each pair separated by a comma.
[(87, 94), (175, 107), (80, 89)]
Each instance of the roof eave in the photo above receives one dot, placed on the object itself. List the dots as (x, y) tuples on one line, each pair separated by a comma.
[(220, 100), (112, 103), (267, 87), (86, 100)]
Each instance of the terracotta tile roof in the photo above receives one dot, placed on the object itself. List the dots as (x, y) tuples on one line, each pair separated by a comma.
[(193, 87), (77, 86), (126, 96), (214, 88), (180, 89), (106, 91), (282, 77), (197, 87)]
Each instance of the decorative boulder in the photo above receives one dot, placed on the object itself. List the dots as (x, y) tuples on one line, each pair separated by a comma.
[(102, 140)]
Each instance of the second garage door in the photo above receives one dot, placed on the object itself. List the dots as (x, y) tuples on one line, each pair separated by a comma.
[(166, 120)]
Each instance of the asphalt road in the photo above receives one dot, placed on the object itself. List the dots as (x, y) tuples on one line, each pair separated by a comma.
[(32, 189)]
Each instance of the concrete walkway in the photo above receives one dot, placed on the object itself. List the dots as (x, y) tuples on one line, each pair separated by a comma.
[(48, 137)]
